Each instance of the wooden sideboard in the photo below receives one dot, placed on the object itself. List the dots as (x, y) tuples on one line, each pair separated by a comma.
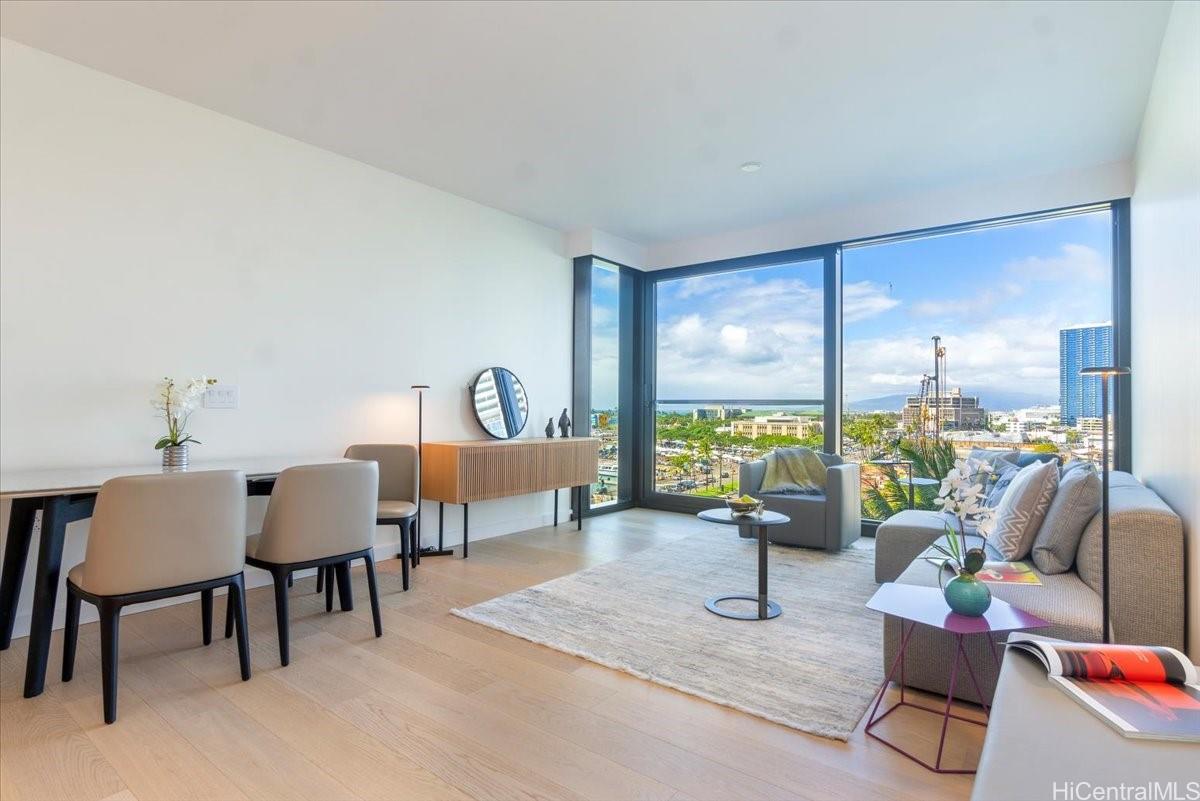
[(480, 470)]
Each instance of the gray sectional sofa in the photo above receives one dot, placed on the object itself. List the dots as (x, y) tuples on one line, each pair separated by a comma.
[(831, 521), (1147, 588)]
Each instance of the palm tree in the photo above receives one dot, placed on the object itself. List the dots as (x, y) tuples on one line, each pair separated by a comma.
[(931, 458), (705, 449)]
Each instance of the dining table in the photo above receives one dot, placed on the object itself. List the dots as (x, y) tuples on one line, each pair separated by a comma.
[(64, 495)]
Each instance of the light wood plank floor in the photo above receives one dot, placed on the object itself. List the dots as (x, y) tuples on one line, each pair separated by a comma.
[(439, 708)]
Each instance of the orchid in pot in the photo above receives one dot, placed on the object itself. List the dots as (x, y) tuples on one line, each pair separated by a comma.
[(175, 403), (962, 497)]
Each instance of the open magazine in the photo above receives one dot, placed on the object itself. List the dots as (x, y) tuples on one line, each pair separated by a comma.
[(1139, 690)]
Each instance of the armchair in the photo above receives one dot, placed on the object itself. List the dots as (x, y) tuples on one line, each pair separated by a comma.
[(831, 521)]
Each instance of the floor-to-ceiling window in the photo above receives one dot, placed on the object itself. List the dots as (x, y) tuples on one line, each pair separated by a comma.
[(910, 349), (604, 411), (973, 338), (739, 367), (604, 294)]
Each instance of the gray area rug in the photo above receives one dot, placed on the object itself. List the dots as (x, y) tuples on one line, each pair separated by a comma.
[(814, 668)]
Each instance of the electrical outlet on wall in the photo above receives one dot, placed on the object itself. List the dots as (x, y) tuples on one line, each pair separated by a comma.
[(221, 396)]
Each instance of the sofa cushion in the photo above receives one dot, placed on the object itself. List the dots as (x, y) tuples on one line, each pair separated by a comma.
[(1022, 509), (1000, 485), (1075, 503)]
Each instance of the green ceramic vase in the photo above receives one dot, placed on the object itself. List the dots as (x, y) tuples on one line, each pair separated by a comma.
[(967, 595)]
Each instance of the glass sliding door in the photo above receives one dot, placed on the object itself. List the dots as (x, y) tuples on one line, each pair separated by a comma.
[(604, 413), (603, 382), (1014, 310), (738, 369)]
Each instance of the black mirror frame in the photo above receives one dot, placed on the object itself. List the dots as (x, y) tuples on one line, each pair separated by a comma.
[(475, 410)]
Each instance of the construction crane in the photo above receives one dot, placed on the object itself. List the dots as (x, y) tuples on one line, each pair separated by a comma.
[(930, 413), (939, 378)]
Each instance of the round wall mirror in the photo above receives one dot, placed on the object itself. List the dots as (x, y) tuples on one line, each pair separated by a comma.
[(498, 398)]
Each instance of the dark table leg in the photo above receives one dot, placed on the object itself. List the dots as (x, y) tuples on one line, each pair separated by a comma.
[(16, 552), (45, 592), (762, 572)]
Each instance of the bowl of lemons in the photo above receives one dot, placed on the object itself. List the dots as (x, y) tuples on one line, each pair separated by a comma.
[(745, 506)]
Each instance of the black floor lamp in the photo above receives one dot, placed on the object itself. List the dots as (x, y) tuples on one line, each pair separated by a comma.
[(1104, 373), (430, 550)]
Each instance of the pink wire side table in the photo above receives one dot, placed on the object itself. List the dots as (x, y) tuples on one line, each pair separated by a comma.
[(926, 605)]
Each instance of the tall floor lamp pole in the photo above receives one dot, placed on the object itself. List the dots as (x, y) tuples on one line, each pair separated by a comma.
[(430, 551), (1104, 373)]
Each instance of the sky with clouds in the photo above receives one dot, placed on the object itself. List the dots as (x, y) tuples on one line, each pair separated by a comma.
[(997, 297)]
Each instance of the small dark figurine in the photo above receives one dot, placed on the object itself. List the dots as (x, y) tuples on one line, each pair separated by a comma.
[(564, 424), (550, 428)]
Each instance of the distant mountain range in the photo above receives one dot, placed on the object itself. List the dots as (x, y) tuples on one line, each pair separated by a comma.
[(992, 400)]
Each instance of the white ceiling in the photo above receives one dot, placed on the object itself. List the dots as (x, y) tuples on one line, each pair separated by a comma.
[(633, 118)]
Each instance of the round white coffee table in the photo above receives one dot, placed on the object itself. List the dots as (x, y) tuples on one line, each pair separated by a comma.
[(759, 524)]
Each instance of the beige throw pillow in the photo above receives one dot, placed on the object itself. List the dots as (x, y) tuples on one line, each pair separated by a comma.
[(1022, 510), (1075, 503)]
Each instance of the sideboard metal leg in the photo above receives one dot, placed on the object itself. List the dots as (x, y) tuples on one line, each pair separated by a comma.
[(556, 508), (579, 511), (465, 530)]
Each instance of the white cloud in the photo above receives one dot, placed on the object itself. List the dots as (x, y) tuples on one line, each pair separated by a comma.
[(980, 304), (862, 300), (1074, 263)]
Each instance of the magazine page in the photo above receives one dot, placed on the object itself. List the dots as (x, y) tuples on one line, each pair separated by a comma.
[(1136, 663), (1149, 709), (1009, 573)]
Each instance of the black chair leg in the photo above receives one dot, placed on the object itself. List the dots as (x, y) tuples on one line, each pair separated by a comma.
[(320, 580), (110, 629), (414, 546), (229, 611), (327, 571), (289, 580), (70, 634), (237, 603), (281, 612), (206, 610), (405, 539), (345, 592), (374, 593)]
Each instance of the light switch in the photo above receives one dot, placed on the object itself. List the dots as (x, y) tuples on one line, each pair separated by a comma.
[(221, 396)]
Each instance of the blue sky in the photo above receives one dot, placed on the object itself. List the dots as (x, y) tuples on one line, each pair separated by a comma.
[(997, 297)]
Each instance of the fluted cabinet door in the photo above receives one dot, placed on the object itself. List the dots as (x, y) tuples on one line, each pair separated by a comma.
[(465, 472)]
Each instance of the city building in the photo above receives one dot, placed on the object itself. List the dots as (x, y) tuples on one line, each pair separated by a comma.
[(716, 412), (1079, 347), (784, 425), (1090, 425), (955, 410)]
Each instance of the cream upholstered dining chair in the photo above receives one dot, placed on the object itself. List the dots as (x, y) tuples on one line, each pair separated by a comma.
[(159, 536), (320, 515), (398, 466)]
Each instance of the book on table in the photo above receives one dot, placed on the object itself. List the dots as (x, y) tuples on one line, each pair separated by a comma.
[(1142, 691), (994, 572)]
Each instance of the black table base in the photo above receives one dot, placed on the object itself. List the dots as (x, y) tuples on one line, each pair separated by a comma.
[(773, 609)]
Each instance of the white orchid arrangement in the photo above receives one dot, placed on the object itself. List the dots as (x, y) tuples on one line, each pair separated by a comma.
[(962, 495), (175, 404)]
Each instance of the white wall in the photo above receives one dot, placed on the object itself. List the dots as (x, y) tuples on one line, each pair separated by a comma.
[(936, 207), (143, 236), (1166, 290)]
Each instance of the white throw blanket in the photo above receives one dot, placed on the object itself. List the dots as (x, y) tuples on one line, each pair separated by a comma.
[(797, 470)]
